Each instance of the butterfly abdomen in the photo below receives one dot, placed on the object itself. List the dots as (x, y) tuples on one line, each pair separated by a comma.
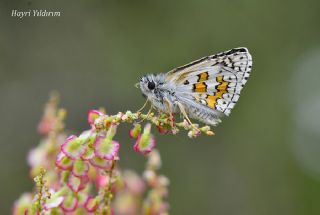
[(204, 115)]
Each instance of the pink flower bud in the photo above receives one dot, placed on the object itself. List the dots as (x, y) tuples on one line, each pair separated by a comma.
[(135, 131), (93, 115), (163, 130), (46, 125), (145, 142)]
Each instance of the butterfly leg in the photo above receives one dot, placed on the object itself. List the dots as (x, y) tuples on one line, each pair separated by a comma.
[(148, 114), (144, 105), (184, 113), (169, 106)]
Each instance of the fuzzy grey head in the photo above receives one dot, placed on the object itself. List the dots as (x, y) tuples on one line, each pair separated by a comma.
[(151, 85)]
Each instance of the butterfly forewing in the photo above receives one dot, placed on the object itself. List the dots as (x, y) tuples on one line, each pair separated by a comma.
[(214, 81)]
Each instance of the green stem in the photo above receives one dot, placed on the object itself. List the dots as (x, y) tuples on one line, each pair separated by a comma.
[(108, 193)]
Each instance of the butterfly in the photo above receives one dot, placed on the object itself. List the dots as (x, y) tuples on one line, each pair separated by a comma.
[(206, 89)]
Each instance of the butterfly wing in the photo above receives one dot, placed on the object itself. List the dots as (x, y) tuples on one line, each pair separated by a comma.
[(214, 82)]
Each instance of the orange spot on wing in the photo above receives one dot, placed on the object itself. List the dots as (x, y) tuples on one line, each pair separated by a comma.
[(200, 87), (223, 86), (221, 89), (212, 100), (203, 76)]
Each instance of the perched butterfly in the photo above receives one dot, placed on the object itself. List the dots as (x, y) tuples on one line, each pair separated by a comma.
[(205, 89)]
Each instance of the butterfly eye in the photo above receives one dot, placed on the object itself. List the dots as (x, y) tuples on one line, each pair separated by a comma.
[(151, 85)]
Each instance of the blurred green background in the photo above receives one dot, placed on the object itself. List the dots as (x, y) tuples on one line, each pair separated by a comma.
[(265, 157)]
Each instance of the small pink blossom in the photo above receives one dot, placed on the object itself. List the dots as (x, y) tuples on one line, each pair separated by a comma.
[(63, 162), (54, 201), (150, 177), (106, 148), (77, 183), (154, 160), (37, 155), (74, 183), (101, 180), (127, 203), (22, 204), (46, 125), (88, 154), (87, 136), (194, 133), (70, 203), (31, 212), (91, 204), (133, 182), (145, 142), (80, 168), (73, 147), (100, 163)]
